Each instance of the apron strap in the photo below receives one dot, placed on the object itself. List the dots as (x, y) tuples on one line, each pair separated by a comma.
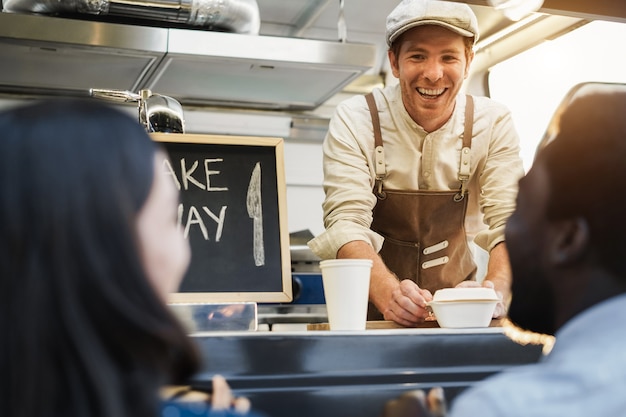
[(464, 165), (379, 153)]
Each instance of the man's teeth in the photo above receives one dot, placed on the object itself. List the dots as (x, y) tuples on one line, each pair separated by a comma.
[(429, 92)]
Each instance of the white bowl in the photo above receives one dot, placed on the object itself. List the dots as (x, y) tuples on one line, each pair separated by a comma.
[(464, 307), (464, 294), (463, 314)]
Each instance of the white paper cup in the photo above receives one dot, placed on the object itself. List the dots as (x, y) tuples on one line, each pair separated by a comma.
[(346, 289)]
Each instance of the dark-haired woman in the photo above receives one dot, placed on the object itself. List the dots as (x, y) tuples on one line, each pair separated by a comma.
[(89, 248)]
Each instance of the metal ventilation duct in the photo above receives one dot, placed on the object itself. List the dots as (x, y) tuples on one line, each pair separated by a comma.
[(54, 55), (238, 16)]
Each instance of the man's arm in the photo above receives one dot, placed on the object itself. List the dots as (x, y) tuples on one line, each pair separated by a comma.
[(498, 277), (400, 301), (498, 184), (499, 273)]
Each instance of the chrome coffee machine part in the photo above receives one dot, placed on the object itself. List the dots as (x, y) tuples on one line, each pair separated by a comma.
[(157, 113)]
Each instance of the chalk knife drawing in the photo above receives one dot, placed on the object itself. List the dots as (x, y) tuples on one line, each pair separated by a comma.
[(255, 211)]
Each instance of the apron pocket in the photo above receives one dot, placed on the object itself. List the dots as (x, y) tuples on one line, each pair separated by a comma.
[(403, 258)]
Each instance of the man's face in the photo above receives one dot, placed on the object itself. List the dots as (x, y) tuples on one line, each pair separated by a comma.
[(533, 305), (431, 65)]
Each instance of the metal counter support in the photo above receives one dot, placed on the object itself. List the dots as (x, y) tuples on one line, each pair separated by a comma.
[(326, 374)]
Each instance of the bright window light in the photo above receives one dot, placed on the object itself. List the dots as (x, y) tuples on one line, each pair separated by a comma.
[(532, 84)]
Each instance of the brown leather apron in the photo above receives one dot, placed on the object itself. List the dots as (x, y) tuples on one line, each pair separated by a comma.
[(424, 230)]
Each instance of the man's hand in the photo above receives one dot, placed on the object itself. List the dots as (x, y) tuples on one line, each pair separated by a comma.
[(500, 310), (407, 304), (400, 301), (417, 404), (223, 398)]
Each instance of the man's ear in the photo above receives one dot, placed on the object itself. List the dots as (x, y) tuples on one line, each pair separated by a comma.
[(393, 63), (569, 241), (470, 58)]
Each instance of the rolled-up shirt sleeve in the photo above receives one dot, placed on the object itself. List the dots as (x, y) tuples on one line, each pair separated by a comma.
[(348, 184), (499, 175)]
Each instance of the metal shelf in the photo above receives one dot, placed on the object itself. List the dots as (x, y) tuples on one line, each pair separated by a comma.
[(45, 55)]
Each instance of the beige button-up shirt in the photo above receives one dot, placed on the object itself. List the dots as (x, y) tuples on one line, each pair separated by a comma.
[(416, 160)]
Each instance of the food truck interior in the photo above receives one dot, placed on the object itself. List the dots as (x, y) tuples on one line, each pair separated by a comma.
[(275, 68)]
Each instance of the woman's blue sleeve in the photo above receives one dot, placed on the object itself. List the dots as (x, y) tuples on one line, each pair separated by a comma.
[(199, 409)]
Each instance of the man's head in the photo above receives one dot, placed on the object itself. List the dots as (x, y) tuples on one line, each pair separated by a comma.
[(567, 236), (430, 50), (457, 17)]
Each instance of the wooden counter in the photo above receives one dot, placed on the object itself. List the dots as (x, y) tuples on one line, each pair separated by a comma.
[(386, 325), (324, 373)]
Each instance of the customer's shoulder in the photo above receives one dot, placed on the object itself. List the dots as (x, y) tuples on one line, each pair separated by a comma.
[(503, 394)]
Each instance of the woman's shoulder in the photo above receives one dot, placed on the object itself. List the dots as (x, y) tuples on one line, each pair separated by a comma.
[(185, 401)]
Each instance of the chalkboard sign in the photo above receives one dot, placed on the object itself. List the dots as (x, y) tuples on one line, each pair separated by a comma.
[(233, 211)]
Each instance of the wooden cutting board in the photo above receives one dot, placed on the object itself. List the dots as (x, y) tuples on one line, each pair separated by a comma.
[(384, 325)]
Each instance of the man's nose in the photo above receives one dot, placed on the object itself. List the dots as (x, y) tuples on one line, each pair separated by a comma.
[(433, 70)]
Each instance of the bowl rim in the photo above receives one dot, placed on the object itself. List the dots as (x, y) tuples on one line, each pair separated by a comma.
[(465, 294), (468, 300)]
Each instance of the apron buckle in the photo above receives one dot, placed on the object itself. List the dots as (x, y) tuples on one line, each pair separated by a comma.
[(464, 178), (378, 186)]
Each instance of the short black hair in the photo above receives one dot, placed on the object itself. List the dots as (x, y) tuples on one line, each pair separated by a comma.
[(586, 165)]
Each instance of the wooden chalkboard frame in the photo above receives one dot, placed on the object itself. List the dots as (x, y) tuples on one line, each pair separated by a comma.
[(284, 288)]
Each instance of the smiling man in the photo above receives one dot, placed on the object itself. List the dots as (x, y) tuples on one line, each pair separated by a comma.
[(415, 173)]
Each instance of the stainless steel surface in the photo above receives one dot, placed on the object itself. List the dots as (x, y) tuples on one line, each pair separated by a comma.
[(162, 114), (115, 95), (157, 113), (272, 314), (300, 252), (302, 258), (51, 6), (51, 55), (325, 373), (238, 16), (257, 72), (308, 305), (210, 317), (45, 55)]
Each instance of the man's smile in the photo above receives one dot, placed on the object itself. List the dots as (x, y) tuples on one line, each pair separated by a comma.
[(430, 92)]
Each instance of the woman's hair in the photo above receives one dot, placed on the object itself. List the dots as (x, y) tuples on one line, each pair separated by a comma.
[(83, 332)]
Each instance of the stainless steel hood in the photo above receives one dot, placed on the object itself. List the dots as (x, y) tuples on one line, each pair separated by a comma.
[(45, 55)]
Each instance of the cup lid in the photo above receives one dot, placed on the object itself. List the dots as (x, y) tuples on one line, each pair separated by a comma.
[(346, 262)]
